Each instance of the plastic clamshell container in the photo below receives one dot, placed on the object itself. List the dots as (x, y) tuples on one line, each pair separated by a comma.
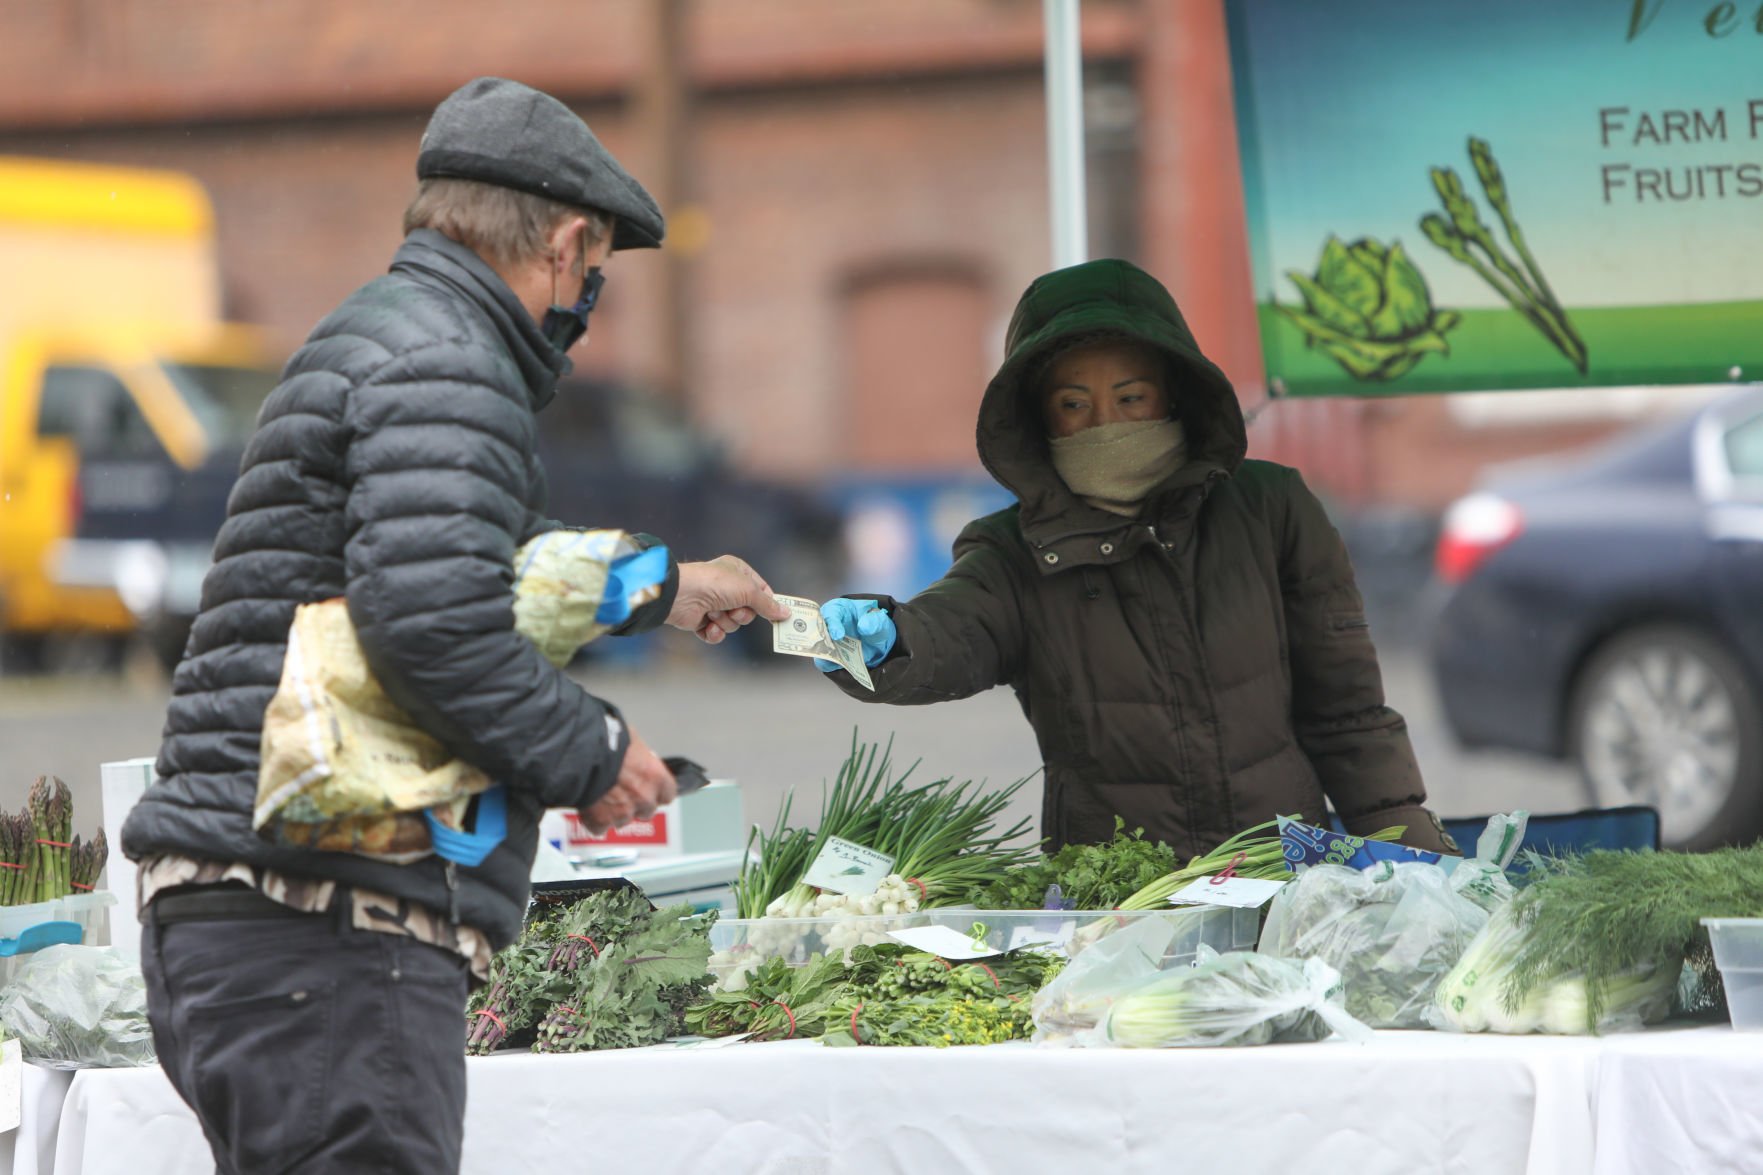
[(1738, 952), (738, 942), (1220, 927), (15, 920), (88, 909), (55, 921)]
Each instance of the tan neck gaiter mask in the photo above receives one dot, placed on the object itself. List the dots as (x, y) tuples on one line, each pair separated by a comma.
[(1114, 466)]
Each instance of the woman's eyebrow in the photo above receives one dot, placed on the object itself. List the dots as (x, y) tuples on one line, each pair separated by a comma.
[(1137, 379), (1068, 386)]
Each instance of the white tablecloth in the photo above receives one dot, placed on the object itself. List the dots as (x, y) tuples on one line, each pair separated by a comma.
[(1672, 1100)]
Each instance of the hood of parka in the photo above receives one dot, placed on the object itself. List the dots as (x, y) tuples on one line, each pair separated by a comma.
[(1103, 298)]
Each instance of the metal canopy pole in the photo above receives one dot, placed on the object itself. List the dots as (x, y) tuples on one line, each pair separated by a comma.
[(1065, 133)]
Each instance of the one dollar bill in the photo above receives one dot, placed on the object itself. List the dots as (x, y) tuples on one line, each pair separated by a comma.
[(804, 634)]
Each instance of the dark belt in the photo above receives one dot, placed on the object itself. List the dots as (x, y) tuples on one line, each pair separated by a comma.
[(219, 903)]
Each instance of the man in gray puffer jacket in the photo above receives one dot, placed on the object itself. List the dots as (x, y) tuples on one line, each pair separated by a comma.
[(310, 1005)]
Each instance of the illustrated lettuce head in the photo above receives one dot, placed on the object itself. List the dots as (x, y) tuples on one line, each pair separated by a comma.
[(1369, 309)]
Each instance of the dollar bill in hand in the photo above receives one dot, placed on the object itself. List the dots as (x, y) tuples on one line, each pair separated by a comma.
[(803, 634)]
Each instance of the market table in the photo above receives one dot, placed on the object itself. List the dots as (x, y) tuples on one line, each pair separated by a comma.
[(1674, 1099)]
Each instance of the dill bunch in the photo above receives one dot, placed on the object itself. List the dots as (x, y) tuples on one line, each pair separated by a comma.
[(1603, 913)]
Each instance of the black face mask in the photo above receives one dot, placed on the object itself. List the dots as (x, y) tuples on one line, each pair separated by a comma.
[(564, 327)]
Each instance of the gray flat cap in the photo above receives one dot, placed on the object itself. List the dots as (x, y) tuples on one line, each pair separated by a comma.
[(501, 132)]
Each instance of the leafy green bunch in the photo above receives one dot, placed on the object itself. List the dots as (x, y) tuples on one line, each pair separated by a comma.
[(604, 972), (1368, 308), (1089, 877), (1604, 914), (882, 995)]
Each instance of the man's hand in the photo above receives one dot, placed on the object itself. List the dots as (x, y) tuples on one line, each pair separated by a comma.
[(717, 597), (644, 784)]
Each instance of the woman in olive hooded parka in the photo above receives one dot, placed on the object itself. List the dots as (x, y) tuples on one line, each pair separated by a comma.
[(1180, 624)]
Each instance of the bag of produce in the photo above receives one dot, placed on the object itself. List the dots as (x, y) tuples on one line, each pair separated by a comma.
[(74, 1007), (344, 769), (1394, 929), (1239, 998), (1078, 999), (1485, 991)]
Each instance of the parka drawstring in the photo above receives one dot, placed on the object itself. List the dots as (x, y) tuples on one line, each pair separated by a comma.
[(1092, 589)]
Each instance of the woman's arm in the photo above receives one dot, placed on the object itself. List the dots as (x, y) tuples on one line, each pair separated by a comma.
[(1358, 744), (958, 637)]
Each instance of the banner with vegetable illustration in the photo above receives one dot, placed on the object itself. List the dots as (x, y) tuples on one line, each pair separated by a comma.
[(1506, 194)]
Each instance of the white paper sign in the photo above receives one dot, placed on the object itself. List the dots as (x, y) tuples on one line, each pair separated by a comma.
[(944, 942), (1244, 893), (11, 1086), (843, 867)]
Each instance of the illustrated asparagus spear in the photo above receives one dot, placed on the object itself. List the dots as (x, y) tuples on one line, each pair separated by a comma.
[(1528, 291), (1441, 233), (1493, 182)]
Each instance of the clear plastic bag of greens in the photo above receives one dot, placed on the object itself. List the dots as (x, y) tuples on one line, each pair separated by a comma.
[(76, 1007), (1392, 931), (1239, 998), (1476, 995), (1078, 998), (1395, 929)]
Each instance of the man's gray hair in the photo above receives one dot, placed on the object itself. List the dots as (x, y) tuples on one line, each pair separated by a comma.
[(501, 225)]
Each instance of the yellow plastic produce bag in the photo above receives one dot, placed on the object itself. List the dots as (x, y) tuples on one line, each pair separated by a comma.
[(344, 769)]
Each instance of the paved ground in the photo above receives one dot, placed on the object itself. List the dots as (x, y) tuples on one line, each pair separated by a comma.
[(770, 729)]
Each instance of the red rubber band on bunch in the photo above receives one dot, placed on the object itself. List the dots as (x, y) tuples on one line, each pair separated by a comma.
[(10, 865), (77, 885), (923, 893), (54, 844), (788, 1013), (995, 984), (590, 942), (499, 1021), (854, 1035), (567, 1008)]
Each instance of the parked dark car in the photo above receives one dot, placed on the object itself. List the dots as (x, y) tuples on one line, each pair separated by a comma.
[(1611, 613)]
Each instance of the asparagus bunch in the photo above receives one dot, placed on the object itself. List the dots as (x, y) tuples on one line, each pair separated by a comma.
[(87, 862), (51, 814), (1461, 231), (18, 859)]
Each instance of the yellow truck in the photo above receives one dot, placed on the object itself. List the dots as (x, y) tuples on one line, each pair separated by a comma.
[(125, 402)]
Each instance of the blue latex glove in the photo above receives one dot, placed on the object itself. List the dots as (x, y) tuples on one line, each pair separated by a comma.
[(863, 619)]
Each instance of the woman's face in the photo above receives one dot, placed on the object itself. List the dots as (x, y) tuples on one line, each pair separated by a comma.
[(1104, 384)]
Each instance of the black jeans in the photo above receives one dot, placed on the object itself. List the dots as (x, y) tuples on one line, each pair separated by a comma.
[(305, 1045)]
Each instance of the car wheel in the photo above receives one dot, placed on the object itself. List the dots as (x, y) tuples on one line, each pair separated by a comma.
[(1663, 716)]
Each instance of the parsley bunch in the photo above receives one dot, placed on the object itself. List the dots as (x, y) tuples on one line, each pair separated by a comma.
[(1089, 877)]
